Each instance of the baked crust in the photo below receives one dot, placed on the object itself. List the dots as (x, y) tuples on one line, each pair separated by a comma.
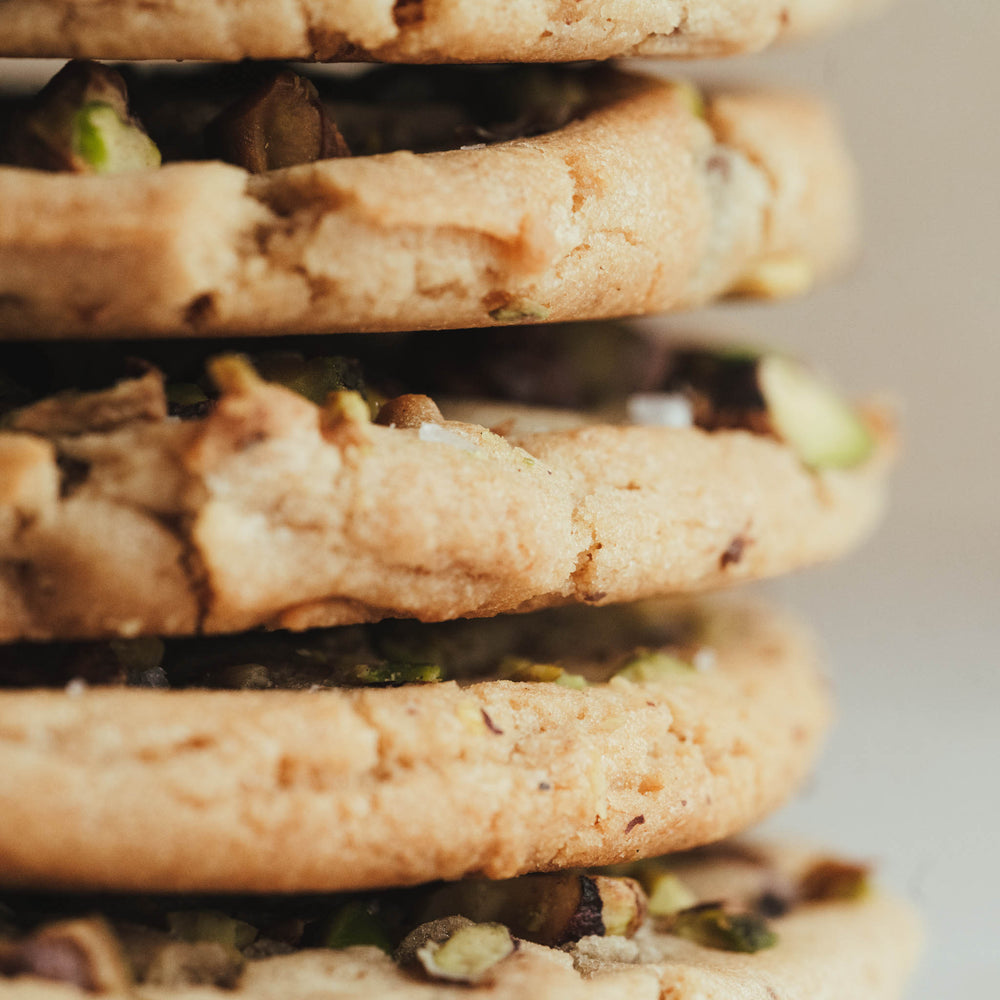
[(119, 520), (641, 206), (279, 791)]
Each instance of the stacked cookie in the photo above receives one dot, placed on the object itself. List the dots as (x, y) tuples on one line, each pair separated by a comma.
[(332, 666)]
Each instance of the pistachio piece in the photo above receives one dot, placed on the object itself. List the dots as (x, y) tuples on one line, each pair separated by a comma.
[(85, 953), (393, 674), (773, 395), (211, 925), (712, 926), (469, 954), (821, 427), (550, 909), (623, 905), (346, 406), (436, 931), (354, 924), (315, 378), (651, 666), (520, 668), (832, 879), (667, 893), (691, 97), (80, 122), (281, 124), (233, 374), (778, 277), (519, 309)]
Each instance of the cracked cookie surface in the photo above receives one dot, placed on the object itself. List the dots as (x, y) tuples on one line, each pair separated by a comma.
[(275, 791), (640, 206), (117, 520)]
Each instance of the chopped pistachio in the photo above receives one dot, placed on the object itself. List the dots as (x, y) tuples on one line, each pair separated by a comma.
[(832, 879), (575, 681), (821, 427), (519, 309), (346, 406), (469, 954), (281, 124), (623, 905), (211, 925), (80, 122), (437, 931), (233, 373), (692, 97), (109, 144), (773, 395), (711, 926), (520, 668), (778, 277), (650, 666), (315, 378), (395, 674), (354, 924), (550, 909), (667, 893)]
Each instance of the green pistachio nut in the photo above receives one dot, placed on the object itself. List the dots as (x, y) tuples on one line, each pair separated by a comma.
[(712, 926), (832, 879), (652, 666), (80, 122), (667, 893), (394, 674), (469, 954), (355, 924), (517, 310), (823, 429)]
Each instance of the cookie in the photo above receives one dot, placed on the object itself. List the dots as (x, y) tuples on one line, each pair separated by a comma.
[(407, 30), (644, 202), (310, 790), (266, 509), (742, 921)]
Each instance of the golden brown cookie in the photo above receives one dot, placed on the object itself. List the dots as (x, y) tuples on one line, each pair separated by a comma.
[(309, 790), (117, 519), (407, 30), (644, 204)]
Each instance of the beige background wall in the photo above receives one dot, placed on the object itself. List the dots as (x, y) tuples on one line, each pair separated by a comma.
[(912, 775)]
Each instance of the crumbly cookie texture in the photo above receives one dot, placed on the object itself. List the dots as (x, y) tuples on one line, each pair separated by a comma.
[(278, 791), (641, 206), (828, 948), (118, 520), (408, 30)]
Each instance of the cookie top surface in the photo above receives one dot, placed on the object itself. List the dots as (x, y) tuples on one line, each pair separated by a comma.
[(643, 202), (407, 30), (798, 933), (119, 520), (309, 790)]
